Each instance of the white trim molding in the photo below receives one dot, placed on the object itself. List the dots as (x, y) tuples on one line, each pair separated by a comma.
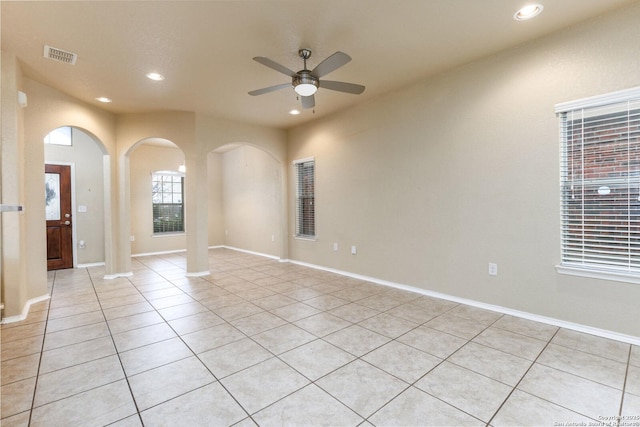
[(25, 309), (177, 251), (599, 100), (250, 252), (198, 274), (630, 339), (598, 274), (91, 264), (117, 275)]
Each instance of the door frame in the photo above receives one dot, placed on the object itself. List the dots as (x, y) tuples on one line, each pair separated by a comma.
[(72, 167)]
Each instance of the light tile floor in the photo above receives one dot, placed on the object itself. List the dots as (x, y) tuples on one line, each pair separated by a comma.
[(258, 342)]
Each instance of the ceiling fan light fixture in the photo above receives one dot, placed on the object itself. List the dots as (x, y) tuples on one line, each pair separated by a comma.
[(305, 84), (306, 89)]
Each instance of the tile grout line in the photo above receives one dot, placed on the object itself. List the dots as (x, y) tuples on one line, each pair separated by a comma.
[(192, 351), (624, 386), (413, 384), (522, 377), (44, 336), (135, 403)]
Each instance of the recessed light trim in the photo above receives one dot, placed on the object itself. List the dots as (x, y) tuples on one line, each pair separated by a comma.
[(103, 99), (528, 12), (155, 76), (294, 112)]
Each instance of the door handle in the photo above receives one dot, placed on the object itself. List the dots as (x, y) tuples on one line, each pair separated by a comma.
[(67, 223)]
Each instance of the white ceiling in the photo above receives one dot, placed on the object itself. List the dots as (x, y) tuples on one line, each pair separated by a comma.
[(205, 48)]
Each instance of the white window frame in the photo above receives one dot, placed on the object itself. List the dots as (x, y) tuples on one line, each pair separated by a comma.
[(184, 226), (62, 136), (613, 100), (298, 209)]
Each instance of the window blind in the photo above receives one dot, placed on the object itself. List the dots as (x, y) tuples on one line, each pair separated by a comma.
[(305, 198), (600, 183), (167, 198)]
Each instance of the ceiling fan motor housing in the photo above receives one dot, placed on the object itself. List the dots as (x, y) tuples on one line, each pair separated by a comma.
[(305, 77)]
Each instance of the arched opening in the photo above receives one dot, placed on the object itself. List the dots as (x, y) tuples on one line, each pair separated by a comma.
[(77, 231), (157, 197), (246, 199)]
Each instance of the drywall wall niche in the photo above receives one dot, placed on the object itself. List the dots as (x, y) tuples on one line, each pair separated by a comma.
[(251, 199)]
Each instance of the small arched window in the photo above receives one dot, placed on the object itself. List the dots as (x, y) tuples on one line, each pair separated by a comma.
[(60, 136)]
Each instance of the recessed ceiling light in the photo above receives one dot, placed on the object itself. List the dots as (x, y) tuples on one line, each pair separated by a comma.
[(294, 112), (528, 12), (155, 76), (103, 99)]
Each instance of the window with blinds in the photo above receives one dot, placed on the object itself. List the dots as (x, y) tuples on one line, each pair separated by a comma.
[(600, 182), (167, 197), (305, 198)]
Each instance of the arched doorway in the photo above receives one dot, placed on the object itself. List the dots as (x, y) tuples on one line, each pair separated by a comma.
[(77, 166)]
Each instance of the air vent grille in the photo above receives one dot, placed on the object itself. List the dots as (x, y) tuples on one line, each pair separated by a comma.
[(60, 55)]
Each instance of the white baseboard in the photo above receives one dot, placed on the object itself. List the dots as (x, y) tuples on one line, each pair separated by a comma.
[(198, 274), (630, 339), (25, 309), (177, 251), (90, 264), (117, 275), (250, 252)]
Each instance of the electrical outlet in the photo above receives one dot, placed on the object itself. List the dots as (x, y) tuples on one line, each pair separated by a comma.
[(493, 269), (132, 238), (353, 250), (273, 238), (335, 247)]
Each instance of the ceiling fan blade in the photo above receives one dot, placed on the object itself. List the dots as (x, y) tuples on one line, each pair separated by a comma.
[(269, 89), (308, 101), (274, 65), (330, 64), (342, 87)]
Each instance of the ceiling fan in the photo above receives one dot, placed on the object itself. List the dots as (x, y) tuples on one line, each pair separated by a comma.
[(306, 82)]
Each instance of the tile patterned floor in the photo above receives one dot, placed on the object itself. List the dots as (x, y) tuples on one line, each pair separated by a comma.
[(259, 342)]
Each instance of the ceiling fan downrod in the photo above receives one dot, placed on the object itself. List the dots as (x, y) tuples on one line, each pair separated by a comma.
[(304, 54)]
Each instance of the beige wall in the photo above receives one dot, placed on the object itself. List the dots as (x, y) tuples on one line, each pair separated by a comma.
[(143, 161), (434, 182), (216, 214), (251, 200), (15, 289), (86, 156)]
